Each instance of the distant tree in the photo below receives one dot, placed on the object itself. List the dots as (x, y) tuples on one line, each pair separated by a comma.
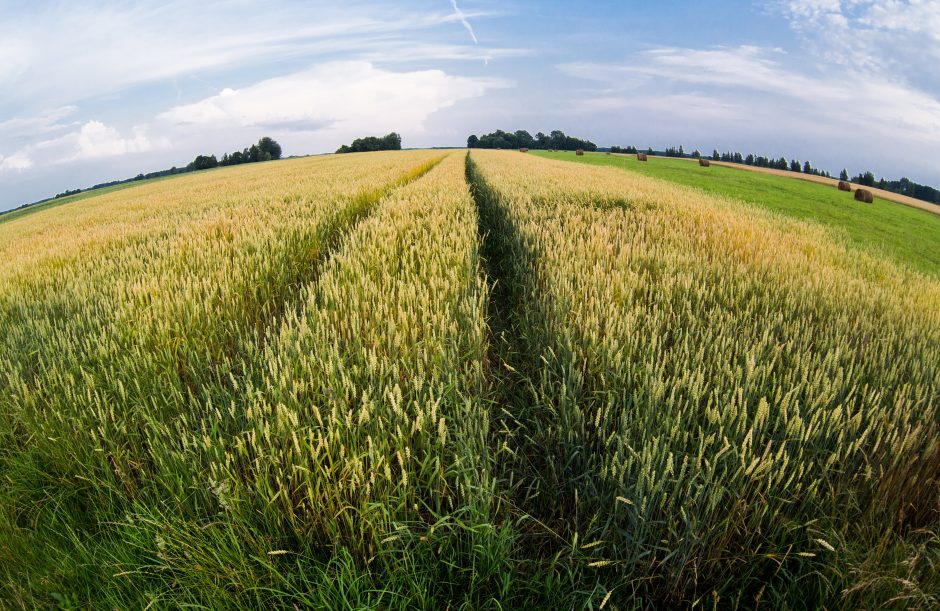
[(389, 142), (807, 168), (473, 141), (794, 166), (696, 154), (269, 146), (524, 139), (844, 174), (716, 156), (203, 162), (681, 151), (749, 160), (649, 151), (867, 179)]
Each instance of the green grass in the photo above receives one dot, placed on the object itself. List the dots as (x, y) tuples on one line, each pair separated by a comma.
[(906, 235)]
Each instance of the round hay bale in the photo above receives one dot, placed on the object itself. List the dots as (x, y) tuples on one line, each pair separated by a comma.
[(864, 195), (844, 186), (579, 152), (523, 150), (705, 163), (641, 156)]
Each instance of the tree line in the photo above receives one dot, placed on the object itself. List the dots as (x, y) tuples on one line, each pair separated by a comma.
[(265, 150), (389, 142), (762, 161), (523, 139)]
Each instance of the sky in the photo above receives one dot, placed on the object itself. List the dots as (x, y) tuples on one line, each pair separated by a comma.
[(102, 90)]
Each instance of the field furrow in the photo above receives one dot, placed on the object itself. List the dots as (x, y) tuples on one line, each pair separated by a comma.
[(366, 434)]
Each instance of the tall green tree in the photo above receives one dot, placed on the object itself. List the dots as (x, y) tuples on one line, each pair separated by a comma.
[(269, 146)]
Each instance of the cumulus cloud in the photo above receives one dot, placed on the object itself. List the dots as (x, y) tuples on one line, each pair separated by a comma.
[(92, 140), (17, 161), (336, 96), (95, 140)]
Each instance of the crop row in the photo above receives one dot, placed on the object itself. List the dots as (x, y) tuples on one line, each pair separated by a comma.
[(123, 314), (705, 398)]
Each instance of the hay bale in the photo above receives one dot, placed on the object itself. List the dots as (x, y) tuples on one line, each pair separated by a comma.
[(523, 150), (844, 186), (864, 195), (705, 163), (579, 152), (641, 156)]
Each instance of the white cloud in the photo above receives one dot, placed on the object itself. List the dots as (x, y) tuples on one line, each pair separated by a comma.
[(93, 140), (728, 73), (97, 48), (339, 97), (737, 96), (872, 36), (96, 139), (42, 123), (17, 161)]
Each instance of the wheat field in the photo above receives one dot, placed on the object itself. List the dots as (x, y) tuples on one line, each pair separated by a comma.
[(433, 379)]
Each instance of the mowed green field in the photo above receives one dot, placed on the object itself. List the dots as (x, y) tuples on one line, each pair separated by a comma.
[(441, 380), (885, 228)]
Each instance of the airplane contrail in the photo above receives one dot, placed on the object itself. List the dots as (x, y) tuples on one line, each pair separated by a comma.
[(463, 20)]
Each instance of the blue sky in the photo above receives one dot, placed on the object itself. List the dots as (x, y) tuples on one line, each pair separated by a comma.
[(96, 91)]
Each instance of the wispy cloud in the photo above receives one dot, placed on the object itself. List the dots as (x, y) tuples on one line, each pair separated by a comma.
[(740, 94), (97, 48), (872, 36), (730, 73)]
